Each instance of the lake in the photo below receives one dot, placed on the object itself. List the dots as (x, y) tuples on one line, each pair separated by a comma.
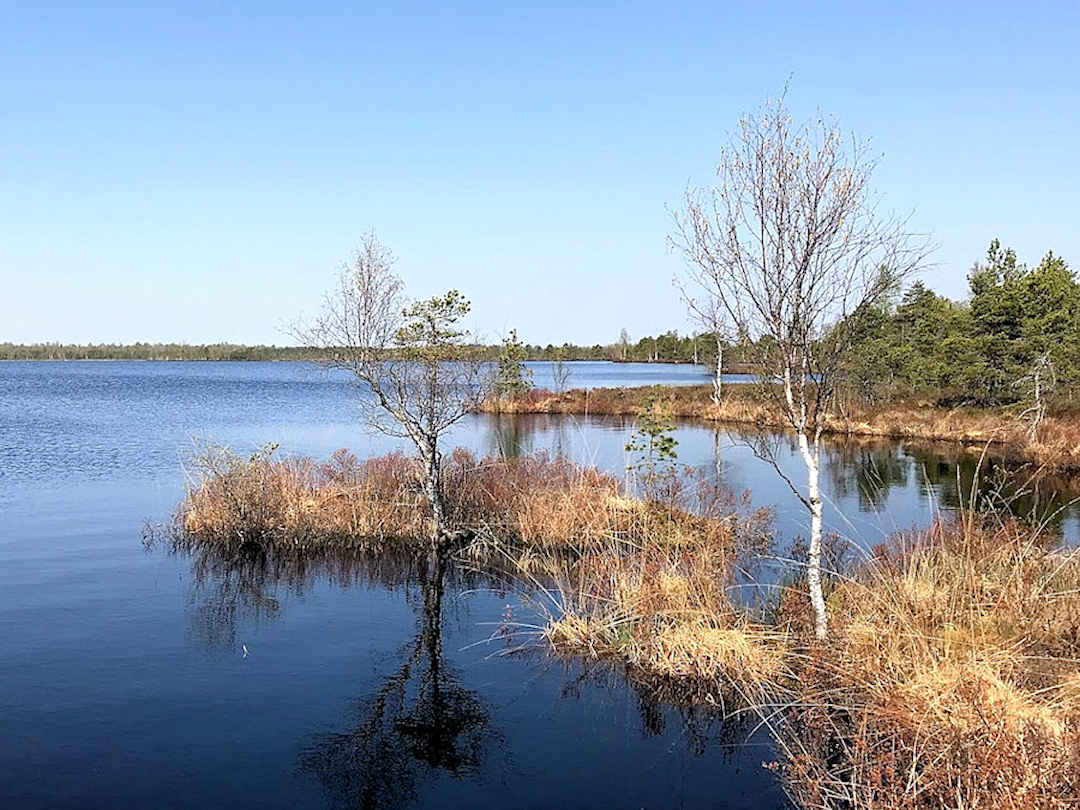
[(135, 678)]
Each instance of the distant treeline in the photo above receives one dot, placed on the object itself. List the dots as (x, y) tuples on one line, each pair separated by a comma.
[(669, 347), (152, 351), (1015, 340), (666, 348)]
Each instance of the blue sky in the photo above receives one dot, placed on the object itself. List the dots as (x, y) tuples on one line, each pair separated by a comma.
[(197, 173)]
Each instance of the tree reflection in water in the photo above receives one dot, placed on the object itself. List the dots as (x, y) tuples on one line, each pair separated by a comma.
[(866, 472), (953, 478), (420, 721), (511, 435)]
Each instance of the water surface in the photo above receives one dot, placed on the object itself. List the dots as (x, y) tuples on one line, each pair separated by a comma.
[(135, 678)]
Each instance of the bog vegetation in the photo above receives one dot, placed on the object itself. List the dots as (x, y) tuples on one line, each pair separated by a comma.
[(1052, 443), (534, 503), (940, 669), (950, 675)]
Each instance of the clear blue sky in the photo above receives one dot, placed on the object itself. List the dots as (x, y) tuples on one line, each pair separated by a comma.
[(198, 172)]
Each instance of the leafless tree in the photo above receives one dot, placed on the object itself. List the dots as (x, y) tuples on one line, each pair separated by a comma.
[(1040, 381), (560, 372), (785, 245), (418, 370), (710, 315)]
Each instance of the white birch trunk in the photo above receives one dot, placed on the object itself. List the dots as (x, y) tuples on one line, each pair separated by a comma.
[(433, 486), (718, 380), (812, 458)]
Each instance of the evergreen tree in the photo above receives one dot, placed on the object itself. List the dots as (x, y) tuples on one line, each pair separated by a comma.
[(652, 448), (512, 377)]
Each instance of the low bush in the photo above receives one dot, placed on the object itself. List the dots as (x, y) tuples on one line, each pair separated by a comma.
[(536, 501)]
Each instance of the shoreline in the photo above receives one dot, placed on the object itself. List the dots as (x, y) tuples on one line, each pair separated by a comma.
[(953, 644), (1057, 445), (315, 360)]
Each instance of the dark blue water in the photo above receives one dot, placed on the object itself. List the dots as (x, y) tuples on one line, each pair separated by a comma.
[(134, 678)]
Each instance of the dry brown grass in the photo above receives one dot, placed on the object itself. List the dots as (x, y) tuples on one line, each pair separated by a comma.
[(677, 401), (949, 679), (537, 501), (300, 503), (1057, 443), (666, 609)]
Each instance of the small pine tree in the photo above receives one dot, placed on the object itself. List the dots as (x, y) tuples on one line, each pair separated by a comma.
[(652, 448), (512, 378)]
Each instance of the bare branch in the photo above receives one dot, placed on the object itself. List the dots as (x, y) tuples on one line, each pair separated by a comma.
[(418, 372), (783, 249)]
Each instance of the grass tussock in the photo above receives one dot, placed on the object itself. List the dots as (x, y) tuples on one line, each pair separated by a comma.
[(537, 502), (949, 678), (301, 503), (1056, 442), (667, 611)]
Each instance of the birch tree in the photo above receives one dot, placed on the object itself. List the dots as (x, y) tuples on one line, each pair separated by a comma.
[(711, 316), (785, 245), (417, 365)]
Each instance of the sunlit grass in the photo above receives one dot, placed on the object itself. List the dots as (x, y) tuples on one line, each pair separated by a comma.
[(1056, 442), (536, 502), (951, 676)]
